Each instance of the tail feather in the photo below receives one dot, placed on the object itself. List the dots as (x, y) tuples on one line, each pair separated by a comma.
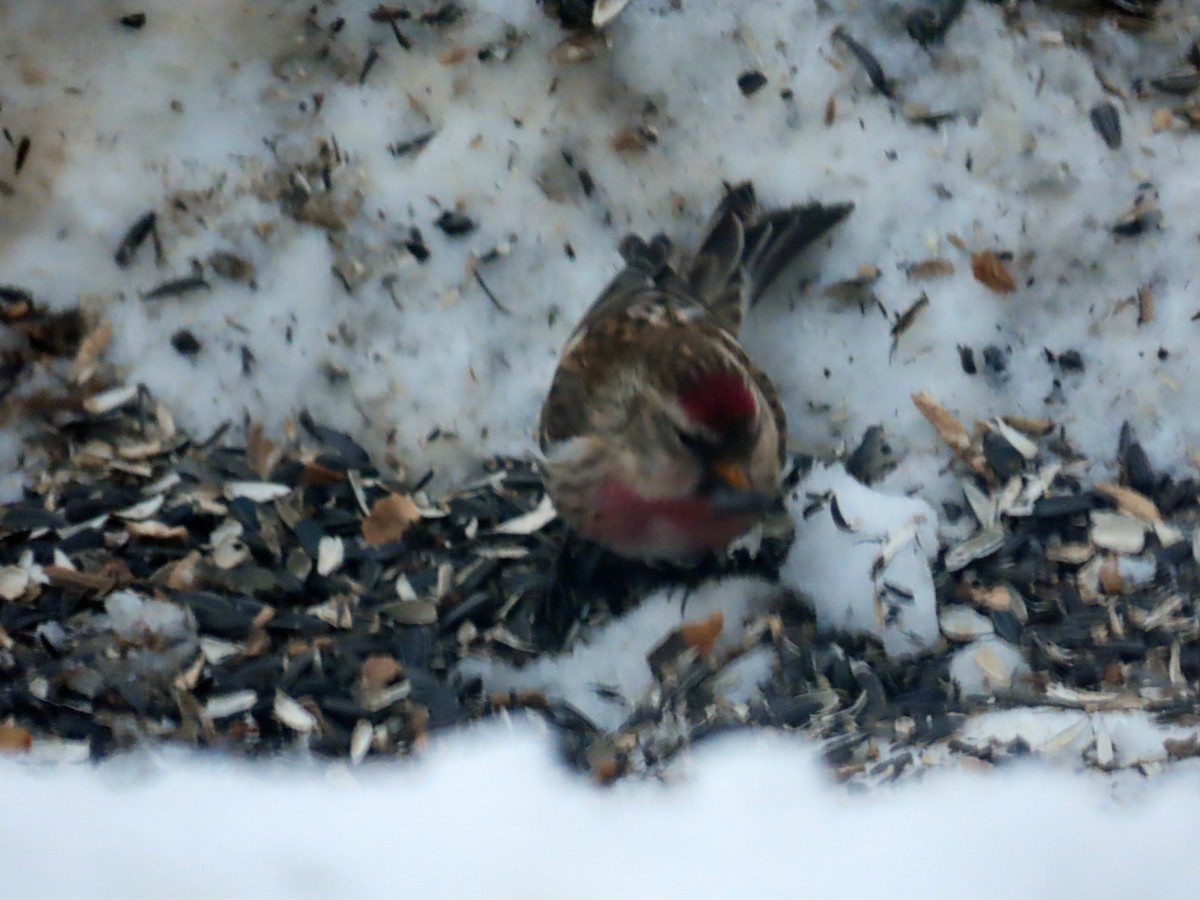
[(787, 232), (745, 249)]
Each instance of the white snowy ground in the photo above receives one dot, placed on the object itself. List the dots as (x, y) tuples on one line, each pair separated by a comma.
[(197, 114), (488, 814)]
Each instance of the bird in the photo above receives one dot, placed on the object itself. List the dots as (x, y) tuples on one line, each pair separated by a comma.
[(660, 438)]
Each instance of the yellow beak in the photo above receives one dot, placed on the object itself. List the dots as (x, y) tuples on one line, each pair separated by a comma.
[(732, 474)]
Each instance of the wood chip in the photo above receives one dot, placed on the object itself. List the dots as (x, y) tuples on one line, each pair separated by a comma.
[(93, 346), (1145, 298), (157, 531), (948, 428)]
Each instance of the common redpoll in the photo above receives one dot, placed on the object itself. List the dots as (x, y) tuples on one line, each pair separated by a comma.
[(661, 439)]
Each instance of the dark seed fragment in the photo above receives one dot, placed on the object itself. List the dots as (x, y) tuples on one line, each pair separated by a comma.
[(185, 342), (389, 14), (368, 65), (134, 238), (1005, 460), (16, 301), (866, 59), (441, 16), (133, 21), (177, 287), (1177, 495), (231, 266), (401, 38), (22, 152), (351, 453), (966, 357), (416, 245), (1180, 82), (872, 458), (1107, 123), (995, 360), (1136, 470), (223, 616), (1070, 361), (750, 82), (455, 223), (928, 24), (413, 145), (905, 320), (27, 516), (1062, 505), (1144, 216)]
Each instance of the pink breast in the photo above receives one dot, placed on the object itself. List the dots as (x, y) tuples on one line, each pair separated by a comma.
[(660, 527)]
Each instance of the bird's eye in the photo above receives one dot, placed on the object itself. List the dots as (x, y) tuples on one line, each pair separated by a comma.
[(694, 442)]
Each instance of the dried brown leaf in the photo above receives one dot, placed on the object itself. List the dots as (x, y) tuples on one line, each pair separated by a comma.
[(379, 671), (453, 56), (261, 451), (702, 635), (606, 770), (390, 517), (1110, 577), (628, 141), (14, 739), (74, 580), (995, 598), (930, 268), (990, 271), (317, 475)]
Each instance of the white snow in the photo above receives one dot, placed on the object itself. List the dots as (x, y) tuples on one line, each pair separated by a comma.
[(870, 572), (614, 657), (490, 813), (214, 108), (987, 666)]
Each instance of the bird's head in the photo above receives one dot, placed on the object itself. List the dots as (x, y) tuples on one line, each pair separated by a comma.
[(706, 437), (717, 426)]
